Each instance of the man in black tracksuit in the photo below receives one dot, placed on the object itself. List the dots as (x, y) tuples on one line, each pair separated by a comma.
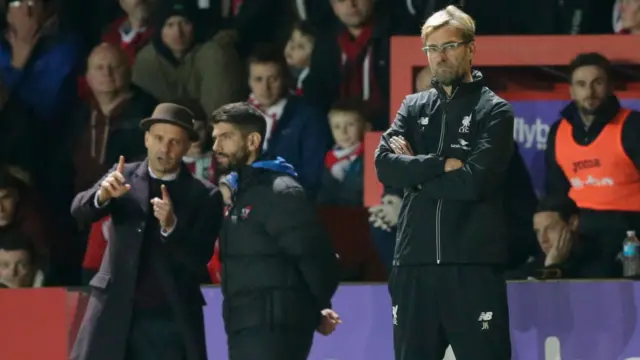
[(449, 147), (279, 271)]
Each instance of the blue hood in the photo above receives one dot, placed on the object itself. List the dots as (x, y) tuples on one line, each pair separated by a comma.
[(278, 165)]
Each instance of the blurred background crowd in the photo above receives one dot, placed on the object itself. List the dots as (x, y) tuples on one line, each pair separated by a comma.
[(77, 76)]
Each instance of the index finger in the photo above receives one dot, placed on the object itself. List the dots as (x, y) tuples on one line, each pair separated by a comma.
[(120, 167), (165, 193)]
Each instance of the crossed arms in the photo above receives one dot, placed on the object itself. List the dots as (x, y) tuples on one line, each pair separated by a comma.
[(397, 166)]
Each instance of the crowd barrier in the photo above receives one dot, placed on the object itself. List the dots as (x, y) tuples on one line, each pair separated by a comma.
[(560, 320), (535, 111)]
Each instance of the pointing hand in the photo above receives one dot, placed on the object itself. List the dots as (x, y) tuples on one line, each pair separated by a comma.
[(114, 185)]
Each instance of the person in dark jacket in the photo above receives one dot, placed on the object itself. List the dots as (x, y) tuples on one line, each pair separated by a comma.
[(593, 155), (449, 148), (564, 254), (146, 301), (296, 131), (351, 60), (279, 271)]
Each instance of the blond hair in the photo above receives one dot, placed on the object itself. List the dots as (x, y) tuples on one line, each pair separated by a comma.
[(450, 16)]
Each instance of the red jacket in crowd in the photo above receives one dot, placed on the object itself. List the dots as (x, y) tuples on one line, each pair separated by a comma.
[(215, 266), (96, 245)]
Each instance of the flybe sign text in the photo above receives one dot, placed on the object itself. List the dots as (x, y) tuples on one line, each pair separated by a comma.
[(530, 135)]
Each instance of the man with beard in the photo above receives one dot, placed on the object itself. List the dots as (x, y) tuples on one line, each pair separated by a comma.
[(448, 148), (279, 272), (145, 300), (593, 155)]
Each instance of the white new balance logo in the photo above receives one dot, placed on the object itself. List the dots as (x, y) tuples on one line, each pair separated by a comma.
[(485, 317), (394, 311)]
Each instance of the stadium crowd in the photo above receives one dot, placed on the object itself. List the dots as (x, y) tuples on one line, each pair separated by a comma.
[(77, 76)]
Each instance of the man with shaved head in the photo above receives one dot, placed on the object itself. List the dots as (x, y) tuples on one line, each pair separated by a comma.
[(107, 125), (146, 302)]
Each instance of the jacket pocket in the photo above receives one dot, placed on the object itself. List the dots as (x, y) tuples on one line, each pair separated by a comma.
[(244, 312), (100, 281), (293, 310)]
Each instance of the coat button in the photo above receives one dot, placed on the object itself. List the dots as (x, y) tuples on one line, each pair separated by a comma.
[(139, 230)]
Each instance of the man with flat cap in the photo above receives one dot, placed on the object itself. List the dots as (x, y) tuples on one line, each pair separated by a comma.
[(145, 300)]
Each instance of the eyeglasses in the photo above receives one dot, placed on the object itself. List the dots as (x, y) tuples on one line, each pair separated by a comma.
[(444, 48), (17, 3)]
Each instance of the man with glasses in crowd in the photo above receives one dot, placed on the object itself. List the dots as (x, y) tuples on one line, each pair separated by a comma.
[(448, 148)]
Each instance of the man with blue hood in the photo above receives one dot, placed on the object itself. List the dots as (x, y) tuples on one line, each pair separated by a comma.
[(279, 271)]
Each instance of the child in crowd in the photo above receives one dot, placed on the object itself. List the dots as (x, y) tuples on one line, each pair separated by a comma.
[(298, 53), (342, 181), (200, 159)]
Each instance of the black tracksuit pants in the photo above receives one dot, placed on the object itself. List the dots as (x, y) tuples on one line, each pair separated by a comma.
[(261, 343), (464, 306)]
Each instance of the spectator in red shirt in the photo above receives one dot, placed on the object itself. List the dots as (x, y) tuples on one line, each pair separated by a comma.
[(352, 61), (131, 32)]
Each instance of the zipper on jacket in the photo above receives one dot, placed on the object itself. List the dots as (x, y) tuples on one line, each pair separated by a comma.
[(223, 244), (439, 152), (225, 231)]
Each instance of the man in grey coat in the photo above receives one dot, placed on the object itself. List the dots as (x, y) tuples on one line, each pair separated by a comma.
[(145, 300)]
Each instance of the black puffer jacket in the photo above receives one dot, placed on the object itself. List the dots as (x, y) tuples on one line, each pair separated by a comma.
[(278, 267)]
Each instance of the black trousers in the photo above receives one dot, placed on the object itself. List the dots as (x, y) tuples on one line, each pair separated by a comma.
[(268, 344), (155, 336), (464, 306)]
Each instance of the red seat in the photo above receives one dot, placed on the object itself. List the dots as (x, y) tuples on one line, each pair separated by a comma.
[(348, 228)]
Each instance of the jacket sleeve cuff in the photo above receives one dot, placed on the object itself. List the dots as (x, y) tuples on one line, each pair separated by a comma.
[(96, 203), (167, 232)]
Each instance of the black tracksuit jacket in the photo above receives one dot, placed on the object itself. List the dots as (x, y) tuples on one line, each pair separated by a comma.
[(454, 217), (278, 267)]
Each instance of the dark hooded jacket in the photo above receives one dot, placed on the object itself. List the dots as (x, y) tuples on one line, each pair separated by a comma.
[(278, 267)]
